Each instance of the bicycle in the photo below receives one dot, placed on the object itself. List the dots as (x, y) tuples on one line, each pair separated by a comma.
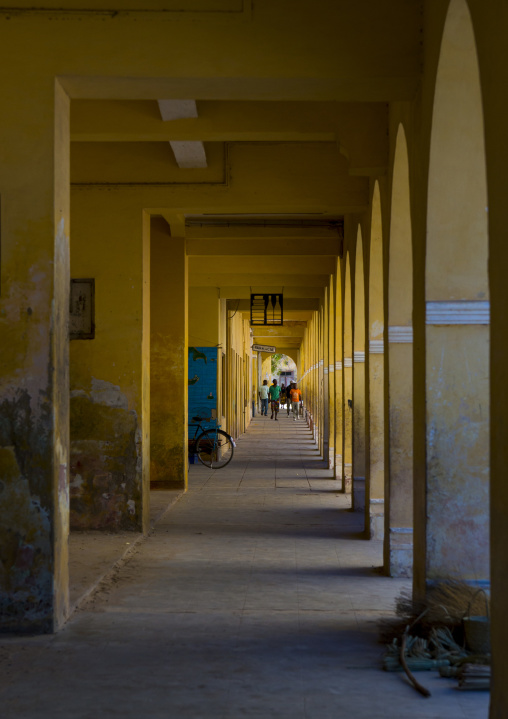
[(213, 446)]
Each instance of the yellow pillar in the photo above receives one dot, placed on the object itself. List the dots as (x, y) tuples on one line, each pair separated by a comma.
[(398, 546), (339, 379), (34, 386), (332, 288), (347, 363), (358, 487), (375, 478), (454, 516), (325, 379), (169, 359)]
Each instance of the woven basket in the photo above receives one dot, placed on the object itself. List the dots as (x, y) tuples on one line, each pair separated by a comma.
[(477, 628)]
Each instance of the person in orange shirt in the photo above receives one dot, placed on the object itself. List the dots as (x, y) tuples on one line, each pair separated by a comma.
[(296, 397)]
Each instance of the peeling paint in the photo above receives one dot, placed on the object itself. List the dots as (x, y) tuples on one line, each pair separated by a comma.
[(105, 475)]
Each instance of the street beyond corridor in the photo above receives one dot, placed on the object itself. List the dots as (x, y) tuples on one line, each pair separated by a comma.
[(256, 596)]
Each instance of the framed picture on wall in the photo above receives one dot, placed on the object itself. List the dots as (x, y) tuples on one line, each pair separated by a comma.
[(82, 309)]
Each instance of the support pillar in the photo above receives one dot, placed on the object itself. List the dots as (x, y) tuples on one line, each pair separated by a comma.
[(358, 473), (325, 385), (169, 359), (457, 394), (398, 547), (374, 490), (339, 379), (331, 373), (34, 385)]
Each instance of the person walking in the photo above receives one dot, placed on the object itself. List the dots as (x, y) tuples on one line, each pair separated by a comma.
[(263, 396), (296, 397), (274, 393), (283, 396), (288, 392)]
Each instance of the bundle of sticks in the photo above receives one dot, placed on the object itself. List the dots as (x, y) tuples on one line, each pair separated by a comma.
[(475, 676)]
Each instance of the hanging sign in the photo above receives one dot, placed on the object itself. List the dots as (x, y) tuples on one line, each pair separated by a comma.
[(264, 348), (266, 309)]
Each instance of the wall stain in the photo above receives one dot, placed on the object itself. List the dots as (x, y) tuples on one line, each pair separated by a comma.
[(26, 554), (105, 462)]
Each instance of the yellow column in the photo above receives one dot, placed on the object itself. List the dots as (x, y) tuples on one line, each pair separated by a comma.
[(347, 451), (359, 429), (398, 546), (454, 514), (331, 371), (339, 379), (325, 382), (317, 428), (169, 359), (375, 477), (34, 385)]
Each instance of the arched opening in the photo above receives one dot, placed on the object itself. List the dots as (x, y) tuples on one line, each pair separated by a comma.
[(347, 364), (399, 407), (374, 505), (359, 381), (456, 512)]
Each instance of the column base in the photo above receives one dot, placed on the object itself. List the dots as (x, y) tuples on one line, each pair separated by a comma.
[(377, 519), (358, 494), (400, 553), (167, 484), (348, 479)]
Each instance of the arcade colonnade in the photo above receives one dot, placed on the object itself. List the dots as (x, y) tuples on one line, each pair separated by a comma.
[(396, 298)]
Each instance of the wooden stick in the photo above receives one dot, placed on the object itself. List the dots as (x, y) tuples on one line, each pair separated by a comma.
[(419, 688)]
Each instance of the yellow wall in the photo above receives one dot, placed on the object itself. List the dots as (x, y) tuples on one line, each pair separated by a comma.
[(108, 374)]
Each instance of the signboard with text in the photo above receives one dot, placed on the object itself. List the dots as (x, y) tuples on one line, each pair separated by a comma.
[(264, 348)]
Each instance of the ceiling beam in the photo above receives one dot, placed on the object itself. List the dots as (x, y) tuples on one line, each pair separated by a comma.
[(259, 282), (274, 265), (255, 247), (305, 297), (360, 129)]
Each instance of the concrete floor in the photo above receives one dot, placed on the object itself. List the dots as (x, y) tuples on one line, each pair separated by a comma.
[(254, 597)]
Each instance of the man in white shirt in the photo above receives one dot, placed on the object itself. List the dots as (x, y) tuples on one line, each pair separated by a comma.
[(263, 396)]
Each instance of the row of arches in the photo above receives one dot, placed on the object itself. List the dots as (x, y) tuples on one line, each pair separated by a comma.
[(411, 351)]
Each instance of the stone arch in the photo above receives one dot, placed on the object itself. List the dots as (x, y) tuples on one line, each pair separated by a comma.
[(456, 511), (398, 555)]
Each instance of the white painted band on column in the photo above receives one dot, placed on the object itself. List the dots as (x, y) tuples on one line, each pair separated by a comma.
[(321, 363), (348, 362), (331, 368), (376, 347), (377, 501), (401, 530), (326, 370), (460, 312), (359, 356), (400, 334), (338, 366)]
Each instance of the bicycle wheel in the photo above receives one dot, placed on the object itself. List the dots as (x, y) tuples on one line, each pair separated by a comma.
[(214, 448)]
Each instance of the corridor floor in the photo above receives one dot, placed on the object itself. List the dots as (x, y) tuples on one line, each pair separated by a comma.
[(255, 597)]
